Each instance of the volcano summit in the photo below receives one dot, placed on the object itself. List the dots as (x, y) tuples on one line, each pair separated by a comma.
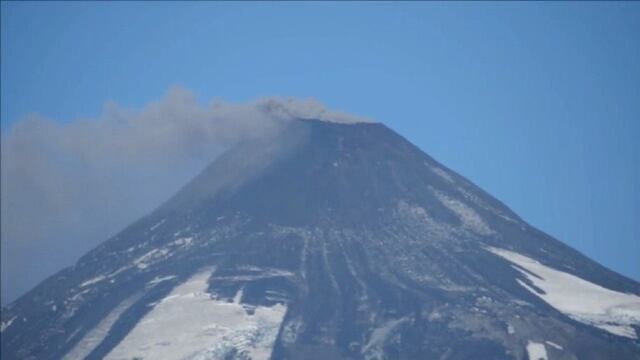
[(329, 241)]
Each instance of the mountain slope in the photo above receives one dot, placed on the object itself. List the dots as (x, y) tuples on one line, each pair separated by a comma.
[(331, 241)]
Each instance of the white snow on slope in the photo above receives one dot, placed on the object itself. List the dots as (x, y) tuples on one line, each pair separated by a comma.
[(552, 344), (238, 298), (159, 279), (158, 224), (6, 324), (94, 337), (536, 351), (256, 273), (93, 280), (374, 349), (469, 217), (442, 173), (579, 299), (150, 257), (190, 324)]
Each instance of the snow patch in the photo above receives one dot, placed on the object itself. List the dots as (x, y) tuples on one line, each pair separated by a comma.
[(577, 298), (78, 296), (238, 297), (190, 324), (94, 337), (442, 173), (374, 349), (159, 279), (469, 217), (536, 351), (93, 280), (149, 258), (625, 331), (552, 344), (257, 274), (5, 324), (158, 224), (183, 241)]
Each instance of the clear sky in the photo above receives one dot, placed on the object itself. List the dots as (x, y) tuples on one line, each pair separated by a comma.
[(537, 103)]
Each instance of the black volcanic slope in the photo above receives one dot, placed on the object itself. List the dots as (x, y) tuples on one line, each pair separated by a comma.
[(331, 241)]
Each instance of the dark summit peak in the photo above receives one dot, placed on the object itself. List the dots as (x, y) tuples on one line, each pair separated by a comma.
[(321, 171)]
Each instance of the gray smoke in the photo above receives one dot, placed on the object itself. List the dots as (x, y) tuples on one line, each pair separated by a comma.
[(68, 186)]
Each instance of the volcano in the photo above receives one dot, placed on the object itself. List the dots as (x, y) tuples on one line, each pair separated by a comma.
[(328, 241)]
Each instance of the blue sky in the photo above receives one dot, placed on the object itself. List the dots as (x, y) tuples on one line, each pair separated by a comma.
[(538, 103)]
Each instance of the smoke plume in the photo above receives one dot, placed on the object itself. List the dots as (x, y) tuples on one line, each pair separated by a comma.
[(67, 186)]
